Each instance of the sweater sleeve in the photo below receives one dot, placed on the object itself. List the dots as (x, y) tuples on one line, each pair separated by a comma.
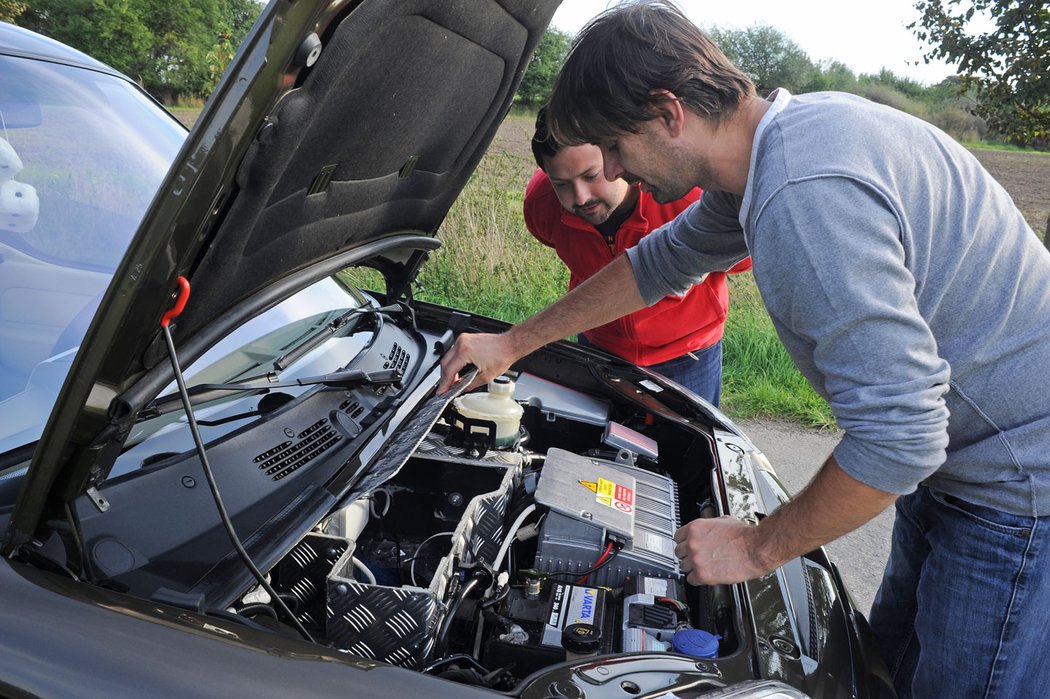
[(704, 238), (833, 274)]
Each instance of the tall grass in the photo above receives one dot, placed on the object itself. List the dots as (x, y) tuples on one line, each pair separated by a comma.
[(490, 264), (758, 377)]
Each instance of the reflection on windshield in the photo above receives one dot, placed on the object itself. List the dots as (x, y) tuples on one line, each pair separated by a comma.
[(82, 154), (94, 148)]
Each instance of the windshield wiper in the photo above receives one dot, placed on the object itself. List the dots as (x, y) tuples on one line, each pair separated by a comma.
[(205, 392), (320, 336)]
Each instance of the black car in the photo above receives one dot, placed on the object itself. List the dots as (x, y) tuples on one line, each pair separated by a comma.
[(225, 467)]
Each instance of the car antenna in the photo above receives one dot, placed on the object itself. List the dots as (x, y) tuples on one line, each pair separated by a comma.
[(165, 322)]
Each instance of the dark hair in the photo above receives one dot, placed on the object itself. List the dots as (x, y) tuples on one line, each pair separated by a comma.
[(624, 54), (544, 146)]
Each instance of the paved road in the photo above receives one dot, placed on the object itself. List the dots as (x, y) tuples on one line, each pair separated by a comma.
[(796, 454)]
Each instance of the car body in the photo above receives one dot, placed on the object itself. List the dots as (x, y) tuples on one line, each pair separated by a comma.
[(327, 523)]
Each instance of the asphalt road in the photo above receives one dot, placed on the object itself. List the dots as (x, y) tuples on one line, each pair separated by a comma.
[(796, 453)]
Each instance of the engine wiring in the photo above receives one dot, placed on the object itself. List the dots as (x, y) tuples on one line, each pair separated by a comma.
[(607, 557), (416, 556)]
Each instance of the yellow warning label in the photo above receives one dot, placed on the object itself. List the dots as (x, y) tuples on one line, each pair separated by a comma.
[(614, 495), (590, 485)]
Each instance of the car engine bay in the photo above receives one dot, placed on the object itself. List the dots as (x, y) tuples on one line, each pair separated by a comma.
[(462, 545), (516, 557)]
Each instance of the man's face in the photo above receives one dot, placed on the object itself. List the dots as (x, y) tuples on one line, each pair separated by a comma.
[(576, 173), (647, 158)]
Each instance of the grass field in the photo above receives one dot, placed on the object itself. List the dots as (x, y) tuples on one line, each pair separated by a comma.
[(489, 264)]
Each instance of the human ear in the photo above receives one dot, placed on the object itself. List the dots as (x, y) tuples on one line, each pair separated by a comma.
[(668, 111)]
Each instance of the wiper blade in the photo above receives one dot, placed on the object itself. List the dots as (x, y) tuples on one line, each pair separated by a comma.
[(205, 392), (319, 337)]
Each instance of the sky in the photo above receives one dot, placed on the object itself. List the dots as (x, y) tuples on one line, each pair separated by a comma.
[(866, 36)]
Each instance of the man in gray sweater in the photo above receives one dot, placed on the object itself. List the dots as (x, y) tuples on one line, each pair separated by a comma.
[(908, 289)]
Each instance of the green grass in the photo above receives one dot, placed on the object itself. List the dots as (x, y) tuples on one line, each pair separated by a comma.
[(992, 145), (758, 377)]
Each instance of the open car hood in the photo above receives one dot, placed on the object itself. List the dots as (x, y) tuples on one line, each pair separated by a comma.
[(338, 124)]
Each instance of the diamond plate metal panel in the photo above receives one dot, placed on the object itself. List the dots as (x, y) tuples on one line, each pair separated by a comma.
[(303, 571), (382, 623)]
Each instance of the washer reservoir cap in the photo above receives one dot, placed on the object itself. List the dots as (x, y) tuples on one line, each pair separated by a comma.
[(696, 643)]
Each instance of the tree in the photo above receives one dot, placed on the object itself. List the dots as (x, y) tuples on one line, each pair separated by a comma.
[(10, 9), (768, 56), (1008, 67), (546, 61), (831, 75), (171, 47)]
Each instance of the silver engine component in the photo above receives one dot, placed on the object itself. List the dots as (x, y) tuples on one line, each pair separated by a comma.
[(593, 500)]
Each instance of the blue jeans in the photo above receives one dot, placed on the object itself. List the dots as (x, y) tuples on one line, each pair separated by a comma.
[(702, 375), (964, 605)]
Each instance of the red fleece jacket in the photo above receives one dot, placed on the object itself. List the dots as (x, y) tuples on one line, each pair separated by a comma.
[(666, 330)]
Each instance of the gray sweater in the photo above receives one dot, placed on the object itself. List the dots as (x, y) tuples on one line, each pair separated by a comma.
[(904, 283)]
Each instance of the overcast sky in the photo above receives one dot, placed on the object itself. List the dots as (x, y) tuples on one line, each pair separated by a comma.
[(866, 36)]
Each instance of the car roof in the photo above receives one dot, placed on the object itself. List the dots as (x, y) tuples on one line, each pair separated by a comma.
[(19, 41)]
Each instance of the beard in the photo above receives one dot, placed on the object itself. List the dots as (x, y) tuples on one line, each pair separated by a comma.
[(597, 215), (665, 194)]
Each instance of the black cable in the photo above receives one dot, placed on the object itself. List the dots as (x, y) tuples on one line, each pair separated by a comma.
[(441, 640), (78, 539), (213, 486), (256, 607)]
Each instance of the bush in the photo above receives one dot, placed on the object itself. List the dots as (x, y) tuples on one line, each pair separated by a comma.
[(959, 123), (891, 97)]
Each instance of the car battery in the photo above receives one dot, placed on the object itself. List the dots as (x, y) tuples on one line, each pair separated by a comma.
[(529, 624), (592, 501)]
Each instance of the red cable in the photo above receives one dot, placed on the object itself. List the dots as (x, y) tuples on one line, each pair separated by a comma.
[(608, 549)]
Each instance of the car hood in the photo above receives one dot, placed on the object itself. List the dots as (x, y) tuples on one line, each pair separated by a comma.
[(337, 125)]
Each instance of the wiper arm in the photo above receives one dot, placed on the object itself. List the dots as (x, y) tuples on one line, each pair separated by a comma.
[(205, 392), (319, 337)]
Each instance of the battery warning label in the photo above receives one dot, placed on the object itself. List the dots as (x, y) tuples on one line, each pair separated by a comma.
[(611, 494)]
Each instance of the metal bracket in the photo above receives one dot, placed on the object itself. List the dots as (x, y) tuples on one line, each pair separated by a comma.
[(97, 498)]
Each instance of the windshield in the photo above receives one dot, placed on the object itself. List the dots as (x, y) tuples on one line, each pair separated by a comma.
[(81, 155)]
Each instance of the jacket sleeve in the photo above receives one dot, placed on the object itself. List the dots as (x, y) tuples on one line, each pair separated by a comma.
[(743, 266)]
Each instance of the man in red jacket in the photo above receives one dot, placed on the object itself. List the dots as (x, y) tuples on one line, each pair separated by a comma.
[(588, 220)]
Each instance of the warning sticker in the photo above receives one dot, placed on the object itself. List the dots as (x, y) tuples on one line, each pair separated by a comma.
[(612, 494)]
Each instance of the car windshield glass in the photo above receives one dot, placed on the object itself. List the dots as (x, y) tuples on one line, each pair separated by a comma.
[(82, 154)]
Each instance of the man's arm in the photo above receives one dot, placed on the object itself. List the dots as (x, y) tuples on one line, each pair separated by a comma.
[(608, 295), (726, 550)]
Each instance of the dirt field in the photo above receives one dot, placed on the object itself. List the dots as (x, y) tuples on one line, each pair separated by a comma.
[(1026, 176)]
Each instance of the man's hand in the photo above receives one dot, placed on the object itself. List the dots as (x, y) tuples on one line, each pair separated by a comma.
[(491, 354), (609, 294), (726, 550), (717, 551)]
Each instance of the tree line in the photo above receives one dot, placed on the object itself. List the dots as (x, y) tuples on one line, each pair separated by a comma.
[(178, 49), (1001, 89)]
